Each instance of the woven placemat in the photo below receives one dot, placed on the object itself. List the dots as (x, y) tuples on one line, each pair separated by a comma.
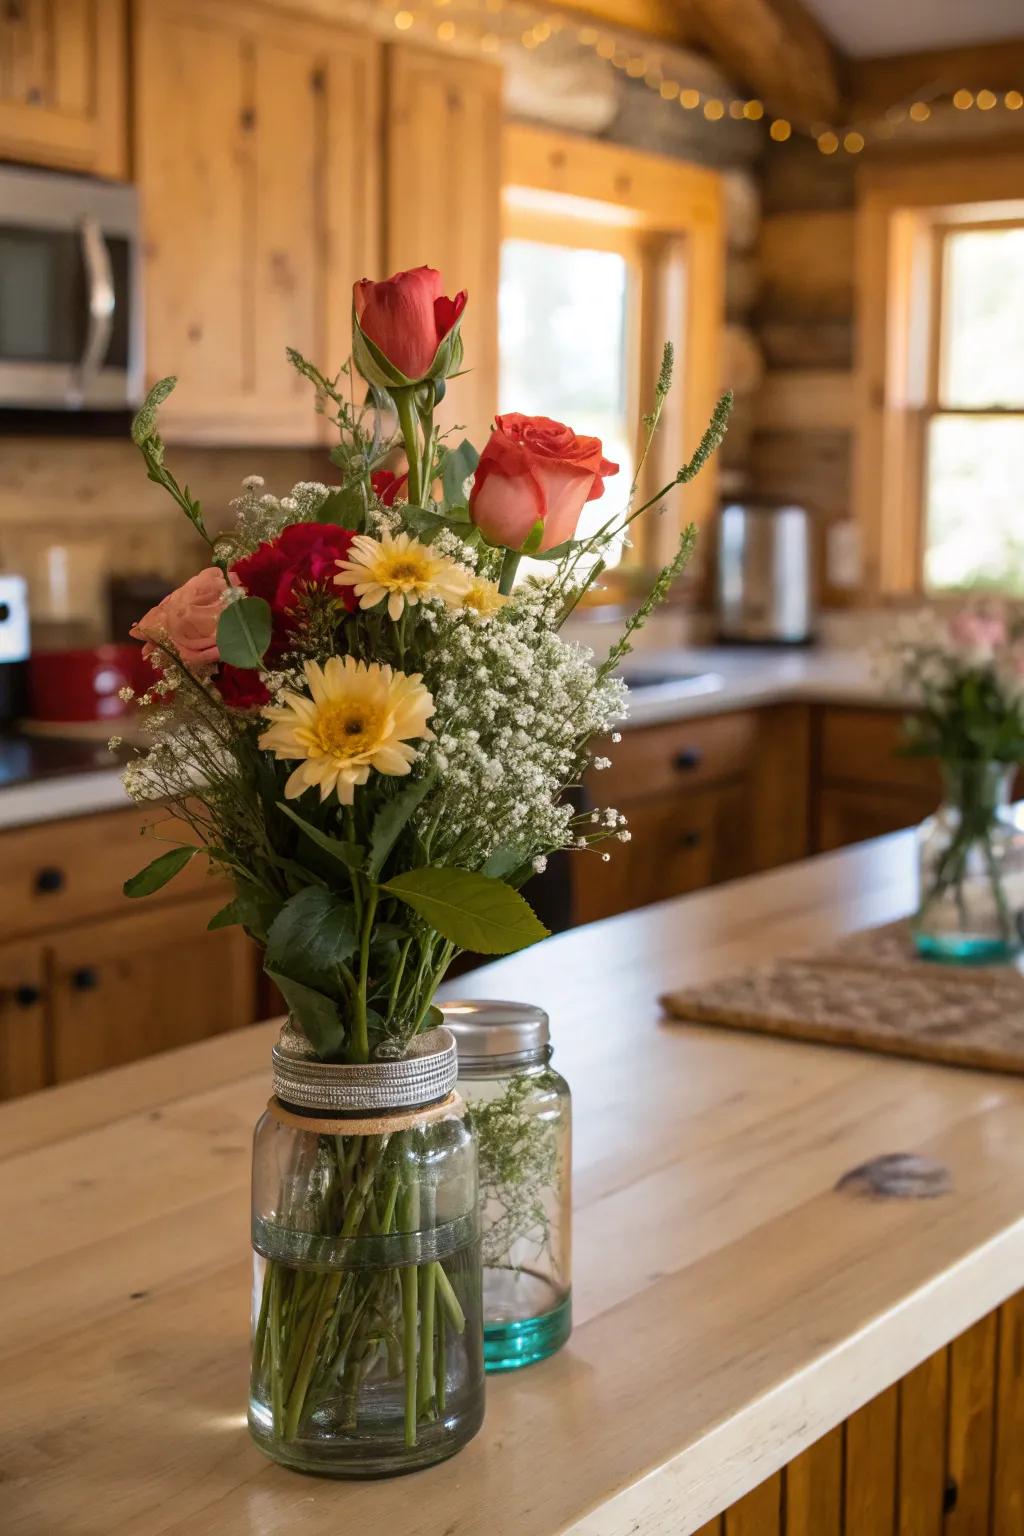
[(872, 991)]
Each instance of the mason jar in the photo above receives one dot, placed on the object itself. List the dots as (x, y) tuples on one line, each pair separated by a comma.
[(367, 1347), (521, 1112)]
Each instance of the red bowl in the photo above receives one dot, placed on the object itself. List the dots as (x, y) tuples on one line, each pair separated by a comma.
[(75, 686)]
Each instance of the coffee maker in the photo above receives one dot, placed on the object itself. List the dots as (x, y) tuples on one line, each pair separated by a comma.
[(14, 649)]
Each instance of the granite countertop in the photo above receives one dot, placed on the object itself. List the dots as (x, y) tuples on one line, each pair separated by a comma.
[(43, 779)]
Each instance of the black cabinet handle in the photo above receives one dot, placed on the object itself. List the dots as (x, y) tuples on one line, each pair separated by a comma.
[(27, 995), (49, 879), (690, 839), (688, 758), (85, 979)]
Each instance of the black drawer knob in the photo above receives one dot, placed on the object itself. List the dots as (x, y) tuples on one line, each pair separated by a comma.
[(27, 995), (688, 758), (49, 880), (690, 839), (85, 979)]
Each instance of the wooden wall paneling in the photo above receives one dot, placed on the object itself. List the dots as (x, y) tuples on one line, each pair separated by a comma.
[(63, 85), (869, 1493), (1008, 1481), (814, 1489), (24, 1035), (922, 1448), (443, 203), (972, 1402), (780, 789), (807, 264), (810, 467), (759, 1513)]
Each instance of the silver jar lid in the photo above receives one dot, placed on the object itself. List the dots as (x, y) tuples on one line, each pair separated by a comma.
[(427, 1072), (487, 1027)]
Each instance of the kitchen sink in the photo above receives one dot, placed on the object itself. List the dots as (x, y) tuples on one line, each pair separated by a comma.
[(680, 685)]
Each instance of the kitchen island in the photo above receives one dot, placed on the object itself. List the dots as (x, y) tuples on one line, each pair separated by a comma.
[(732, 1307)]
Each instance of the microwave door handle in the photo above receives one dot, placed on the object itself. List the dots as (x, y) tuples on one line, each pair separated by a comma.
[(100, 301)]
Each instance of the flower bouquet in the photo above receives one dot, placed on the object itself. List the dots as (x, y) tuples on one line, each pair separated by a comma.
[(370, 726), (965, 677)]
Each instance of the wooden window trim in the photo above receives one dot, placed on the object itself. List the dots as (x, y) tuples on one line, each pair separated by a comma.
[(673, 212), (903, 210)]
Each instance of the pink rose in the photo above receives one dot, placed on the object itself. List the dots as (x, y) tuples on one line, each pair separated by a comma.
[(535, 471), (407, 318), (981, 633), (186, 621)]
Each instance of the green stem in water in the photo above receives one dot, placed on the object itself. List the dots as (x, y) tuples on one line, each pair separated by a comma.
[(410, 1315), (446, 1294)]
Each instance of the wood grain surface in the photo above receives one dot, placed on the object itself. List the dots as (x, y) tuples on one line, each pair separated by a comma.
[(732, 1308)]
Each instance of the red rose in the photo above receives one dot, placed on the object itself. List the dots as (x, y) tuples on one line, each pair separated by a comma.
[(302, 555), (407, 318), (389, 486), (532, 471), (241, 687)]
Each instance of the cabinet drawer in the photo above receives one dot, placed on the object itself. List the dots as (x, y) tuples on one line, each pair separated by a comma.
[(61, 872), (656, 759), (862, 746)]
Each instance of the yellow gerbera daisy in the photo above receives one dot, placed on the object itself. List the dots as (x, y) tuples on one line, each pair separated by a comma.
[(403, 570), (483, 598), (358, 716)]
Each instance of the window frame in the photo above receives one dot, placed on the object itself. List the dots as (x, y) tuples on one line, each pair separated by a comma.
[(905, 211)]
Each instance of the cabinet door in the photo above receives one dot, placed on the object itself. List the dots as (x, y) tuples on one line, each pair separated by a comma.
[(24, 1062), (853, 815), (63, 68), (444, 129), (261, 208), (678, 843), (144, 983)]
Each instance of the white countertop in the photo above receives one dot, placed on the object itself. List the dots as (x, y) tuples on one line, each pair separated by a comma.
[(742, 677)]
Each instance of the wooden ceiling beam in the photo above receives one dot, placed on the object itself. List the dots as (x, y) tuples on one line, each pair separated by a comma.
[(773, 48), (879, 83)]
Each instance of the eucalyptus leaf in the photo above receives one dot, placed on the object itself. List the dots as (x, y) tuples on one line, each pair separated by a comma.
[(471, 910), (311, 938), (159, 871), (316, 1015), (459, 464), (345, 507), (503, 861), (349, 854), (243, 632), (391, 819)]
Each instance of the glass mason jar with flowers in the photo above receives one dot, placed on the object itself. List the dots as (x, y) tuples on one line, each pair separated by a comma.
[(966, 679), (370, 726)]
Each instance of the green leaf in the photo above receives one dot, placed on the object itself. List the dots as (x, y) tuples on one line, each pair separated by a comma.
[(531, 544), (144, 421), (243, 632), (503, 861), (459, 464), (559, 551), (349, 854), (156, 874), (311, 938), (253, 908), (316, 1015), (390, 821), (345, 507), (228, 917), (471, 910)]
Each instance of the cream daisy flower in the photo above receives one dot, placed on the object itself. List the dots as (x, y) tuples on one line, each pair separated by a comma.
[(403, 570), (483, 599), (358, 716)]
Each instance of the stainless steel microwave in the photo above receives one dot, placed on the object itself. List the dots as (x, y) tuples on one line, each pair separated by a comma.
[(70, 293)]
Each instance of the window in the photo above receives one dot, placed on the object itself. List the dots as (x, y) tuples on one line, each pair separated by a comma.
[(569, 340), (973, 479)]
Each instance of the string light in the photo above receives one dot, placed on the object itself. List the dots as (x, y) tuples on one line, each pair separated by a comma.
[(668, 90), (986, 100), (962, 100), (1013, 101), (828, 142), (403, 20), (853, 142), (780, 130), (714, 109), (736, 109), (920, 111), (753, 111), (689, 99)]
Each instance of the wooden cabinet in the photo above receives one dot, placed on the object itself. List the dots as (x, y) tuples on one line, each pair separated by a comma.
[(147, 982), (63, 84), (866, 785), (24, 1058), (444, 174), (96, 980), (258, 164)]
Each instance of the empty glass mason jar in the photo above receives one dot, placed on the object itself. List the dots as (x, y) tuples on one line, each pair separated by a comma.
[(971, 868), (521, 1112), (367, 1348)]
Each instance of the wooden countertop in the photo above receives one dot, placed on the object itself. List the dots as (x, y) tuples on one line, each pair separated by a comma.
[(730, 1306)]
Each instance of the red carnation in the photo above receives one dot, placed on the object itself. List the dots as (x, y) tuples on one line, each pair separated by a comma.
[(302, 555), (241, 687)]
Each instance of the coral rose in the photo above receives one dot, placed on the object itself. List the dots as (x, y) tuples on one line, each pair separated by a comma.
[(407, 318), (185, 621), (534, 478), (302, 556)]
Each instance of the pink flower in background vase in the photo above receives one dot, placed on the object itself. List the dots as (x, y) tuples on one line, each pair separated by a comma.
[(186, 621), (978, 632), (534, 478)]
